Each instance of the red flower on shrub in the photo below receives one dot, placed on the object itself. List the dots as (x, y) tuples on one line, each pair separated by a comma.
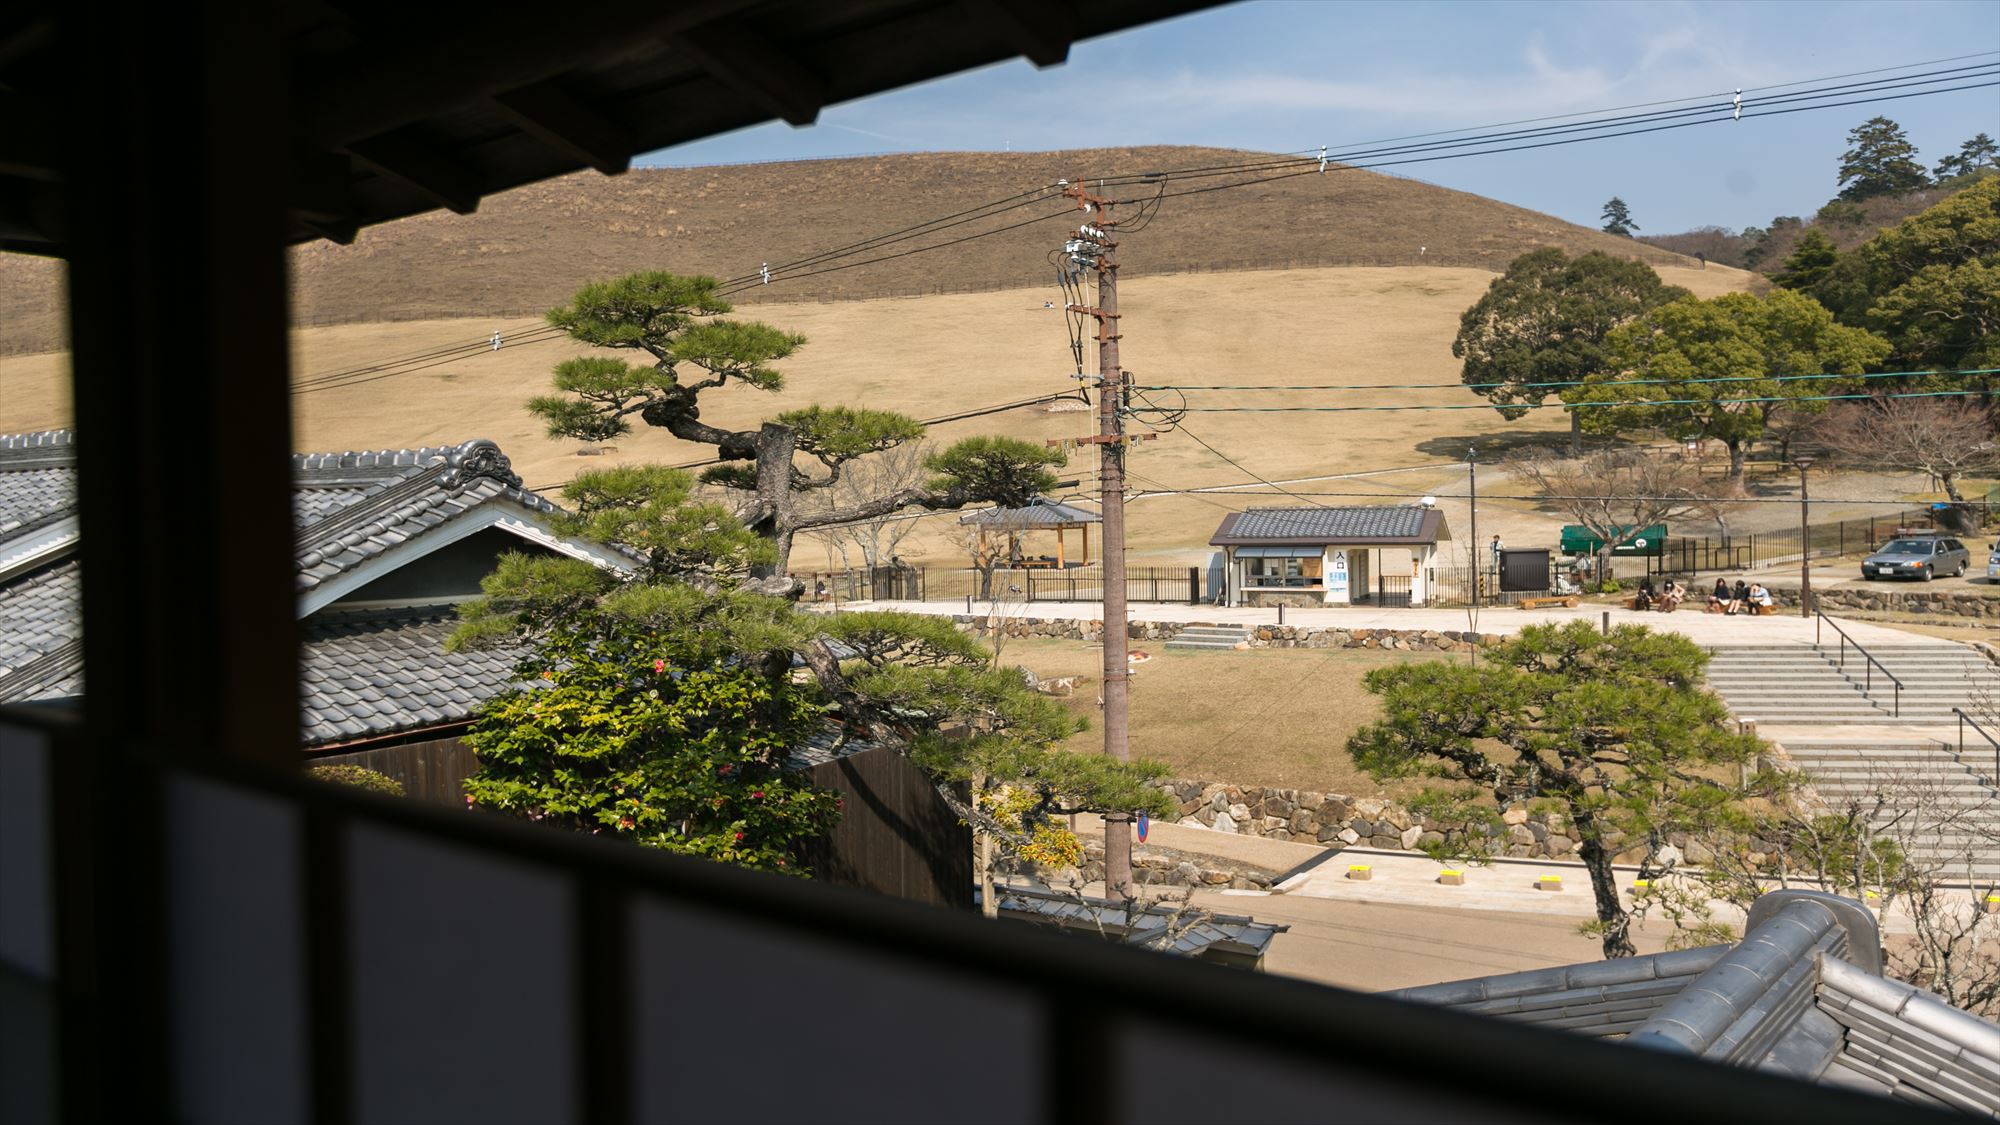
[(739, 837), (625, 822), (659, 665), (757, 793)]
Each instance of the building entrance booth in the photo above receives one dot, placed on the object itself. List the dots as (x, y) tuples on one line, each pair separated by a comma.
[(1331, 556)]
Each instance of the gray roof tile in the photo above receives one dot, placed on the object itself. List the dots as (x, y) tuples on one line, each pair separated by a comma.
[(38, 613), (1403, 523)]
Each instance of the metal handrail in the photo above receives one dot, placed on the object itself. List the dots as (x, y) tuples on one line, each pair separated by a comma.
[(1963, 719), (1868, 676)]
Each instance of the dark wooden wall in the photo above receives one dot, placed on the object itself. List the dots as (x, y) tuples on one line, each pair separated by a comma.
[(433, 772), (896, 836)]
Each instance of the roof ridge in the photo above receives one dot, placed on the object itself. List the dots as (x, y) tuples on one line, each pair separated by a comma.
[(407, 458), (31, 676), (38, 439), (38, 449)]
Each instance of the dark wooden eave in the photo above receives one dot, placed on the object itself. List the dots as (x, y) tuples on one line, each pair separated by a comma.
[(403, 109)]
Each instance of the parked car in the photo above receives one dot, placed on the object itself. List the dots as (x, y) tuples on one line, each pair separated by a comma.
[(1923, 557)]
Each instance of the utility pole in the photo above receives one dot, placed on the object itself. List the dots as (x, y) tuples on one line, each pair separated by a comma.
[(1091, 247), (1472, 512), (1804, 462)]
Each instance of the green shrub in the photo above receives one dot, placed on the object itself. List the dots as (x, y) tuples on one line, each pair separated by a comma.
[(360, 777), (1608, 586)]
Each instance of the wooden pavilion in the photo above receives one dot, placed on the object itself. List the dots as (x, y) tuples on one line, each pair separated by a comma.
[(1040, 514)]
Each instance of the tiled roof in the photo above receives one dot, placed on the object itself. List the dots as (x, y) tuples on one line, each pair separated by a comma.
[(29, 497), (1802, 994), (366, 675), (1233, 933), (349, 506), (362, 676), (1328, 524), (38, 614), (1040, 512)]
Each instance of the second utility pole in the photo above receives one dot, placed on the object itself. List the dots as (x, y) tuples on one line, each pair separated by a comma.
[(1094, 246)]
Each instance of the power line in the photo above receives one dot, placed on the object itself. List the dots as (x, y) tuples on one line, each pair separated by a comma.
[(1674, 101), (1577, 405), (1430, 157), (1560, 383), (1790, 501), (1429, 152)]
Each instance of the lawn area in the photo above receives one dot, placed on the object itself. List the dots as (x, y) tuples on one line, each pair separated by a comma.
[(1255, 717)]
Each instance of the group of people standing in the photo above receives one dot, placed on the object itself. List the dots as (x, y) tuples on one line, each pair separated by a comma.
[(1744, 597)]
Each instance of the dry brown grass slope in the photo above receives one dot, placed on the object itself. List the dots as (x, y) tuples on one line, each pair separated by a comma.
[(527, 249), (931, 355)]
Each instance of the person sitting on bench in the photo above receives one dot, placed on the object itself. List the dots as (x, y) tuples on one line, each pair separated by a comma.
[(1564, 587), (1672, 594), (1759, 596), (1741, 601), (1719, 599), (1647, 596)]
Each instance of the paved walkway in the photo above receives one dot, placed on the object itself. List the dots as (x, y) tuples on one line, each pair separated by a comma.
[(1706, 629)]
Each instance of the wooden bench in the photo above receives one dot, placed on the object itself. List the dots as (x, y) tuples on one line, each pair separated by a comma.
[(1570, 600)]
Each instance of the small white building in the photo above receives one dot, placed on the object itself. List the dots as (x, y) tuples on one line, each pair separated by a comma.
[(1331, 556)]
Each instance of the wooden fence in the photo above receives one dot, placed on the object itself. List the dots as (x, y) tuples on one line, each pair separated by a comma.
[(896, 835), (433, 772)]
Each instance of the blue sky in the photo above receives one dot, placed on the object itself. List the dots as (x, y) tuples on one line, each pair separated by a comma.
[(1280, 75)]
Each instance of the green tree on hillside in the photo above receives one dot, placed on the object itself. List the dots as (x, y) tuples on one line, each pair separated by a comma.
[(1976, 155), (1618, 218), (1880, 160), (1809, 261), (1682, 348), (1614, 731), (1930, 284), (679, 324), (1544, 322)]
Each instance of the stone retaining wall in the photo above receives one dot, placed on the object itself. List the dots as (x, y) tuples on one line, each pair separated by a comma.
[(1338, 821), (1164, 867), (1900, 597), (1261, 636)]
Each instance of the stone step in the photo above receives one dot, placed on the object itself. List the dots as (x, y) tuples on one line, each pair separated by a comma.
[(1219, 645)]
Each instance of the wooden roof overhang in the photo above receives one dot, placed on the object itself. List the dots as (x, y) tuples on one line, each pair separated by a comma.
[(401, 109)]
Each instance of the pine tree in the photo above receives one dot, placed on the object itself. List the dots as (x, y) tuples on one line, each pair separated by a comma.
[(1974, 155), (1880, 160), (1618, 218), (1810, 261), (1613, 732)]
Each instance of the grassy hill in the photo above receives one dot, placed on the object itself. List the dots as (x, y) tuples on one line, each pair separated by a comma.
[(931, 355), (524, 251)]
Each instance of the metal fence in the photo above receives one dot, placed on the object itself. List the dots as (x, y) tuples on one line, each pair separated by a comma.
[(1388, 590), (1689, 555), (1086, 584), (864, 584), (1455, 585)]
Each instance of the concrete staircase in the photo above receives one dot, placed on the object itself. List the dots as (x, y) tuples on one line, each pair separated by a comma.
[(1941, 808), (1209, 637), (1806, 684)]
